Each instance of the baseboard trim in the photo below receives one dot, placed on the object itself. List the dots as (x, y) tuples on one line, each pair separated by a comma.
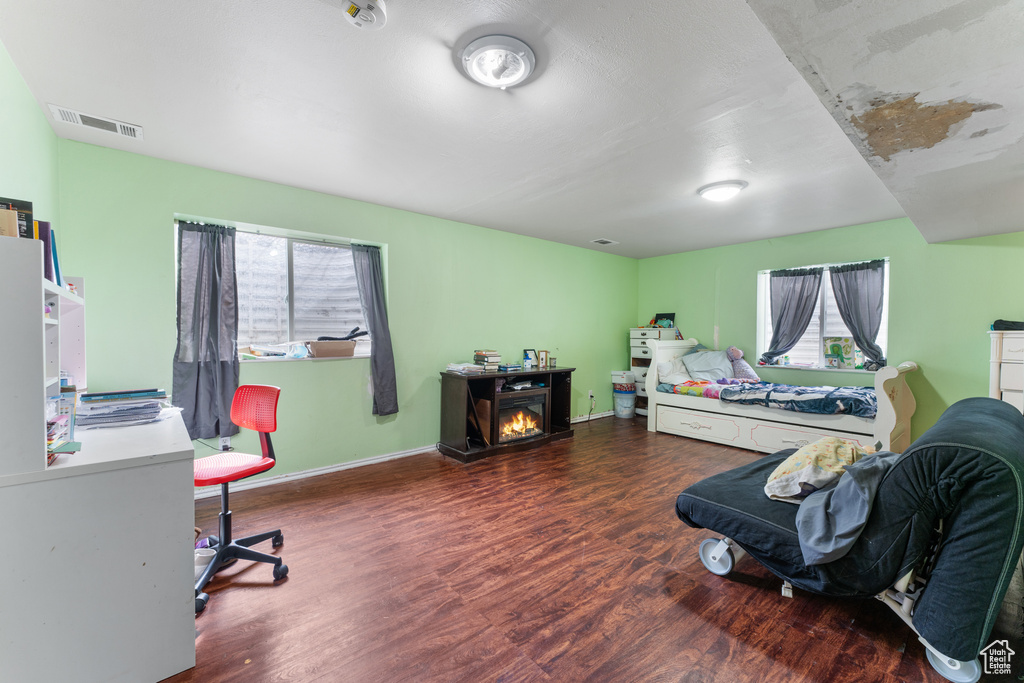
[(213, 491), (584, 418)]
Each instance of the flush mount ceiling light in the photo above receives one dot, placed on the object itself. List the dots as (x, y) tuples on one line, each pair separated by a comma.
[(719, 192), (498, 61)]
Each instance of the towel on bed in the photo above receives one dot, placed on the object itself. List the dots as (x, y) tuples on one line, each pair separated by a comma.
[(829, 522), (812, 467)]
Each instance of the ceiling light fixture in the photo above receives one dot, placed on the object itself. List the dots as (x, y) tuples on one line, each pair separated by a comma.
[(498, 61), (720, 192)]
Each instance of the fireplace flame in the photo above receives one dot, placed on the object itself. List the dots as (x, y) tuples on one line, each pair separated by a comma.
[(519, 425)]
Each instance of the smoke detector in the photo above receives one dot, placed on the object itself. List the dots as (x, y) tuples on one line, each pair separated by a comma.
[(77, 118), (604, 241), (370, 15)]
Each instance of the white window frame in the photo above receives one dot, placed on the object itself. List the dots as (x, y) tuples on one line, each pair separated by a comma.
[(764, 316), (363, 346)]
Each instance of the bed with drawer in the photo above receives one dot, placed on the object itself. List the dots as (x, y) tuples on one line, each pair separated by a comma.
[(770, 429)]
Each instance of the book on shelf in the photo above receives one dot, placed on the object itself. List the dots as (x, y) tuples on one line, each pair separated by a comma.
[(510, 367), (8, 223), (57, 278), (24, 211), (42, 230), (487, 359), (66, 447)]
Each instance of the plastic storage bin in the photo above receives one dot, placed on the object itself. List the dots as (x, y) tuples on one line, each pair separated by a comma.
[(625, 403), (624, 381)]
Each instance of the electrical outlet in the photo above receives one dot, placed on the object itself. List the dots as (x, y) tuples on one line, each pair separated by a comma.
[(591, 394), (225, 443)]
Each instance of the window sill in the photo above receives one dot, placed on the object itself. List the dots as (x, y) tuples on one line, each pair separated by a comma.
[(285, 359)]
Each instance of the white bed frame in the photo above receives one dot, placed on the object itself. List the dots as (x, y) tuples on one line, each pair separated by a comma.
[(769, 429)]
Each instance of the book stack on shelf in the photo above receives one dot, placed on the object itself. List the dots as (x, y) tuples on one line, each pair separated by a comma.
[(510, 367), (119, 408), (57, 435), (16, 221), (60, 424), (486, 358), (465, 368)]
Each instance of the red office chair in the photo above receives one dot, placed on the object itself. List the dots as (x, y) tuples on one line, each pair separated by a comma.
[(253, 407)]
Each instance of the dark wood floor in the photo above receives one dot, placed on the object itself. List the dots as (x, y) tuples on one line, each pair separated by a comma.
[(564, 563)]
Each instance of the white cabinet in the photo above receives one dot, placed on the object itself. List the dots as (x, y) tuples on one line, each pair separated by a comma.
[(1006, 368), (98, 585), (640, 355)]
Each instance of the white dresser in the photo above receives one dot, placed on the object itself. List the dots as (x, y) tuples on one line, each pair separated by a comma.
[(1006, 373), (640, 358)]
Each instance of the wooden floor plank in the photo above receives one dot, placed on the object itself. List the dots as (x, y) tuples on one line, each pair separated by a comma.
[(562, 563)]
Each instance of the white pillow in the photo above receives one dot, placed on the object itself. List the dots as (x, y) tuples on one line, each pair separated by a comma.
[(708, 365), (673, 371)]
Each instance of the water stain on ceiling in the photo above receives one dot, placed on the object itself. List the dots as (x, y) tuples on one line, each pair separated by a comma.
[(895, 123)]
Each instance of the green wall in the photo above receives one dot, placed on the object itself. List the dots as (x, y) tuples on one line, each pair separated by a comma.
[(942, 299), (28, 162), (451, 288)]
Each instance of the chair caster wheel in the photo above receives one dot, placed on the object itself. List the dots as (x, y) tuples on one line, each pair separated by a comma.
[(280, 572), (201, 600), (277, 541)]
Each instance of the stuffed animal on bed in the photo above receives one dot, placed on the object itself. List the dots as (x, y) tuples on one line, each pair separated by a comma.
[(740, 368)]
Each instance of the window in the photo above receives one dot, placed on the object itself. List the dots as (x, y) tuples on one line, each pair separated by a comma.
[(291, 289), (826, 321)]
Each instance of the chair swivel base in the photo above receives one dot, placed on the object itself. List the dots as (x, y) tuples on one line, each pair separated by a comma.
[(240, 550)]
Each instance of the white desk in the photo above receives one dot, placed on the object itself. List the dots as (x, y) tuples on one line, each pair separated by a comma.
[(96, 583)]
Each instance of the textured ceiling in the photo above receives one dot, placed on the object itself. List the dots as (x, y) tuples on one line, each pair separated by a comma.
[(631, 109)]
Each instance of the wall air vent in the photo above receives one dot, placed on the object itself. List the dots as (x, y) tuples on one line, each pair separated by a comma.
[(604, 242), (77, 118)]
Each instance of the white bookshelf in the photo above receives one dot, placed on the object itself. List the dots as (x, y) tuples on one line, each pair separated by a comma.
[(103, 583), (38, 348)]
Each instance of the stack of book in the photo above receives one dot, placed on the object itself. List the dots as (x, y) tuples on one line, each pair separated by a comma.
[(58, 431), (487, 358), (510, 367), (465, 368), (119, 408)]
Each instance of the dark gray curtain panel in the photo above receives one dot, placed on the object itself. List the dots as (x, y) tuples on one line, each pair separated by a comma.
[(794, 295), (370, 278), (859, 290), (206, 358)]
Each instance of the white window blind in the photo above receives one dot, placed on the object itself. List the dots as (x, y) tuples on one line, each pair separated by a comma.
[(293, 290)]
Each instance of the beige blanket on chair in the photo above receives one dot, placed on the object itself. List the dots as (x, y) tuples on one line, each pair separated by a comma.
[(812, 467)]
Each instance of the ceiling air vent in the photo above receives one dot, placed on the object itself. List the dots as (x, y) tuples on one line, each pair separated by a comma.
[(604, 242), (77, 118)]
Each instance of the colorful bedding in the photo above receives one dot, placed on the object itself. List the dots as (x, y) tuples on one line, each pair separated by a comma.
[(702, 388), (857, 401)]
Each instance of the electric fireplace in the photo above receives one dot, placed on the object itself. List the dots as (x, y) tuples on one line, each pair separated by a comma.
[(521, 416), (483, 414)]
